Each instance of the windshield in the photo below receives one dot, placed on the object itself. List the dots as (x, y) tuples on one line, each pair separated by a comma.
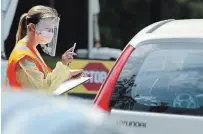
[(166, 75)]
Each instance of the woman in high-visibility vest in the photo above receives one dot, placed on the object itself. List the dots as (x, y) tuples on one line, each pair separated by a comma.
[(26, 68)]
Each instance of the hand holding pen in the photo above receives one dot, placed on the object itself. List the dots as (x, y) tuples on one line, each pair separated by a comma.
[(67, 57)]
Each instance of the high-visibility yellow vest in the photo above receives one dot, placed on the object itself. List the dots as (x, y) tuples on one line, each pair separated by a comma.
[(21, 51)]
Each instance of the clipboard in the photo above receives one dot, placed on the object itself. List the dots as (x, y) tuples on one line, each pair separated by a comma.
[(70, 84)]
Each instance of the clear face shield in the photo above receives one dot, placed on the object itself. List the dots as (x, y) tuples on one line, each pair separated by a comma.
[(48, 29)]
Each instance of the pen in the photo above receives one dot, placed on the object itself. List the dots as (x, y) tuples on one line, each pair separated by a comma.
[(73, 50), (73, 47)]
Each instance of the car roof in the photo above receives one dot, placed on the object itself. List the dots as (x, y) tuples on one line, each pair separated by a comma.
[(181, 27), (170, 29)]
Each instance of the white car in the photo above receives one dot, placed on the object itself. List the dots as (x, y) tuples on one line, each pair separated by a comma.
[(156, 85), (40, 113)]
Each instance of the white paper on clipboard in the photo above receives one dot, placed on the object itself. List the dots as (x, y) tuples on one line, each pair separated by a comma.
[(70, 84)]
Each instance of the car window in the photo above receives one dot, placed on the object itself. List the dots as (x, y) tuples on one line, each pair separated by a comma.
[(164, 78)]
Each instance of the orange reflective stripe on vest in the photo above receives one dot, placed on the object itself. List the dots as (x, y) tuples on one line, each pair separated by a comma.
[(21, 51), (36, 53)]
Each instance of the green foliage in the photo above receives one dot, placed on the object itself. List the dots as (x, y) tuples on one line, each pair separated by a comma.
[(120, 20), (196, 9)]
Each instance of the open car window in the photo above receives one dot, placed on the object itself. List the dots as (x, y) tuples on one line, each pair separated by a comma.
[(164, 78)]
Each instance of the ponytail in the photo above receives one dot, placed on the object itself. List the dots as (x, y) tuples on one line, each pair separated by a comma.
[(22, 27), (34, 15)]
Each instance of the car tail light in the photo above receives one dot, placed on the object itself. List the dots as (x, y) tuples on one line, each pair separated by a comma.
[(104, 94)]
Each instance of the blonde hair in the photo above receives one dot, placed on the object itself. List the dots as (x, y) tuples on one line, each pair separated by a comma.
[(34, 15)]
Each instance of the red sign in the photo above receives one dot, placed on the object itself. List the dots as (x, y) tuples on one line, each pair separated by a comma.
[(98, 73)]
